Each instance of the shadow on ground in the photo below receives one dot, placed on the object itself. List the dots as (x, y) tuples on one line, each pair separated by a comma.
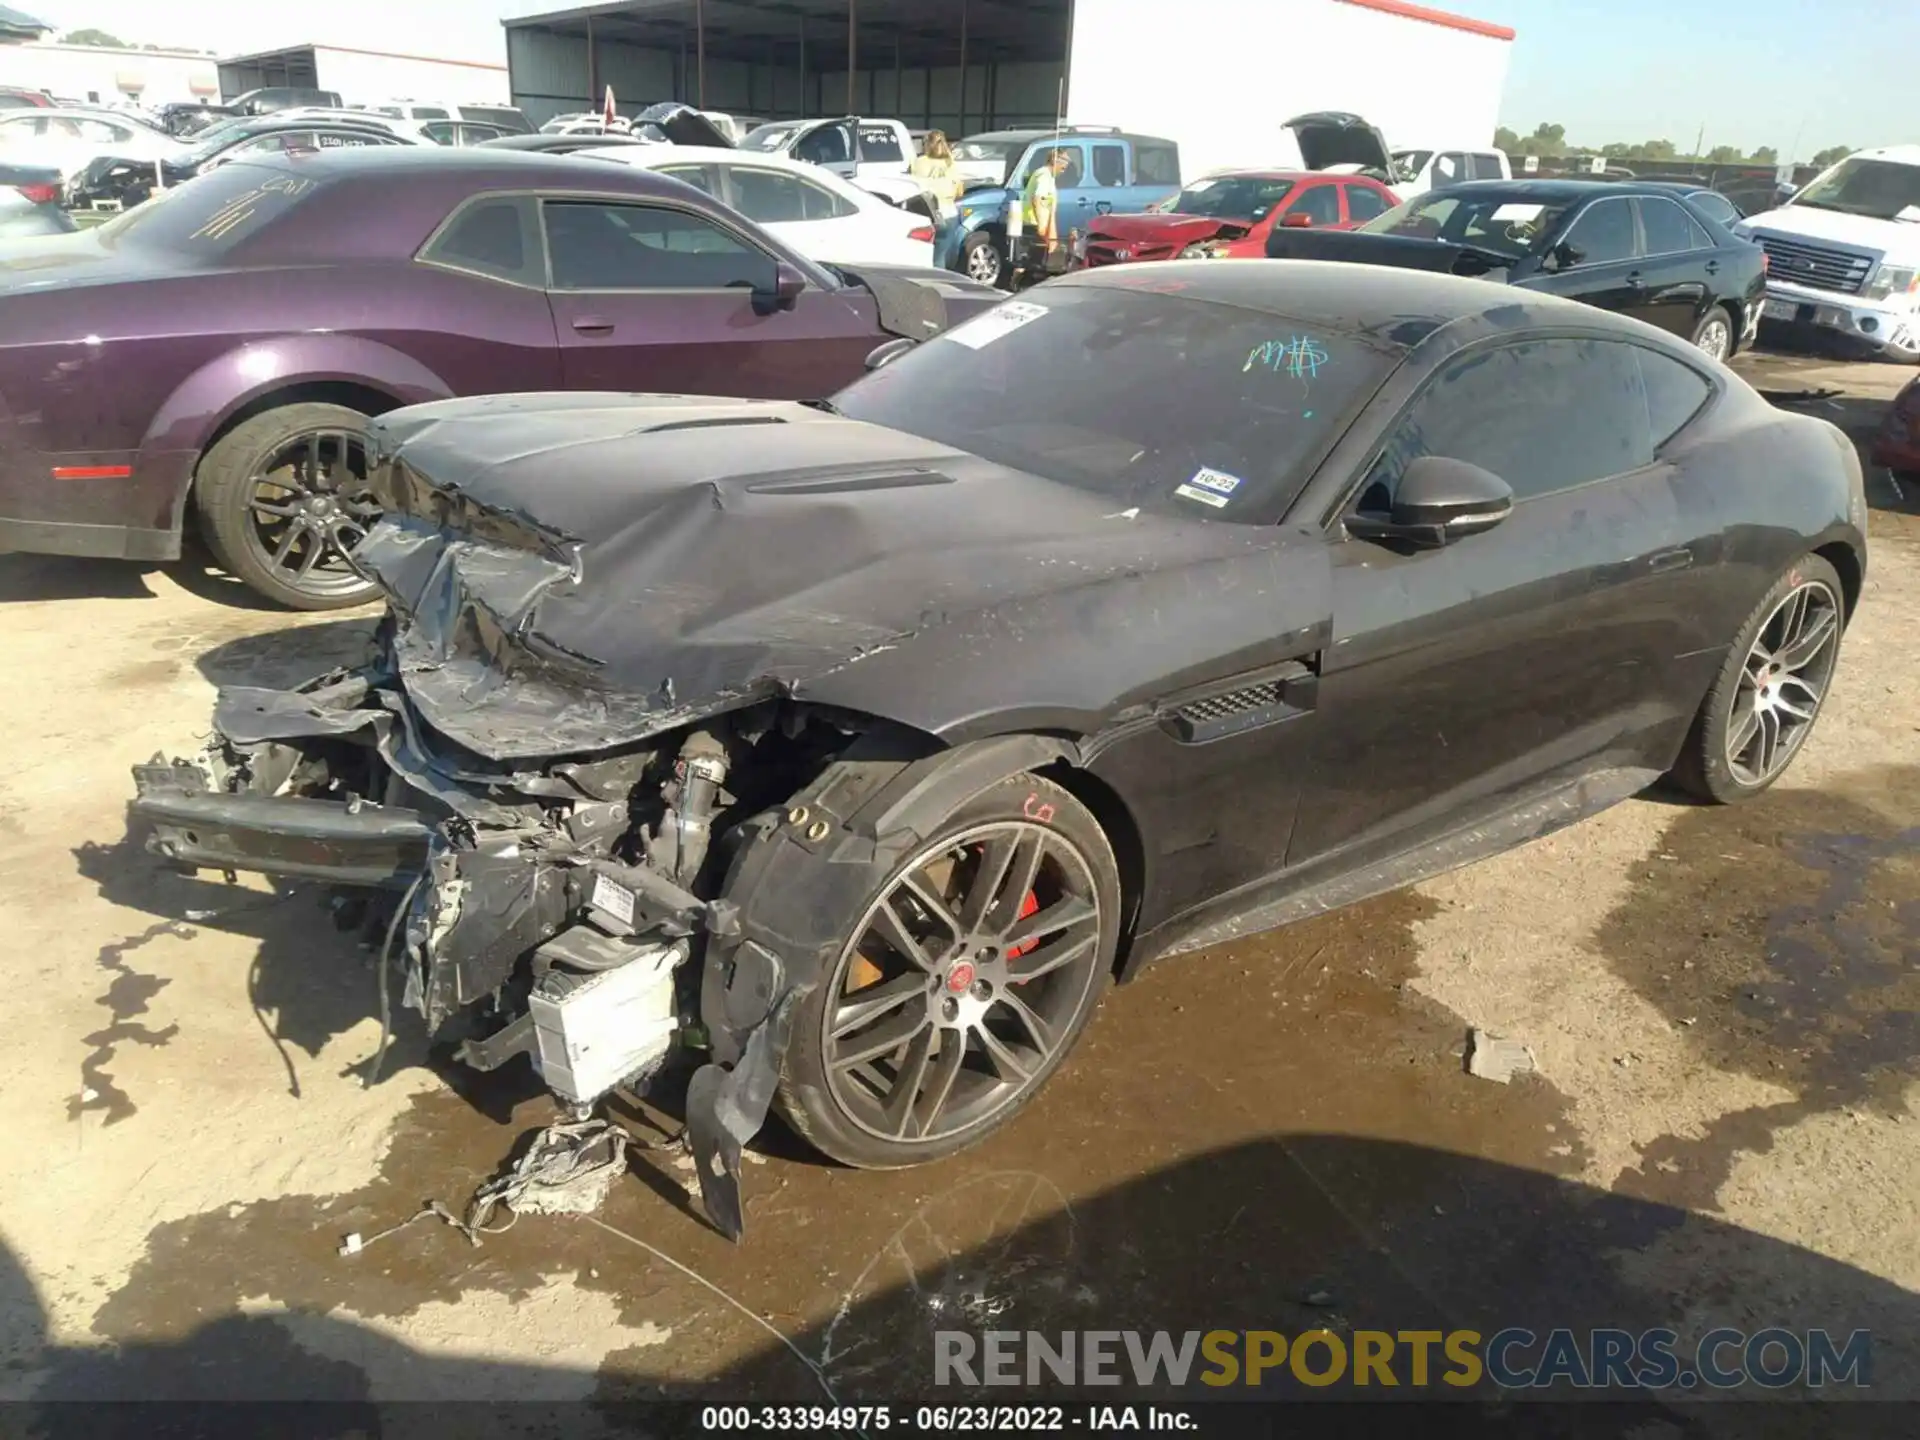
[(1293, 1234)]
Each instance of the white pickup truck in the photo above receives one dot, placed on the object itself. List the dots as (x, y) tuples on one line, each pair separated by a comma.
[(873, 154), (1843, 255)]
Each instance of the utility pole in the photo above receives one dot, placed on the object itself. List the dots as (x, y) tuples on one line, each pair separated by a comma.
[(853, 52)]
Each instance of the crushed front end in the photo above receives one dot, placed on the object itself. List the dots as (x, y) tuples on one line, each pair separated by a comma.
[(542, 853), (567, 912)]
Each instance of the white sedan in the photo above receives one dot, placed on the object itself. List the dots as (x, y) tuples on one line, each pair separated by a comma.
[(813, 210), (68, 139)]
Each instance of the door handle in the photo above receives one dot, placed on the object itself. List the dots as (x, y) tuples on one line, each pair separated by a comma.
[(1634, 282), (1713, 267), (1671, 560), (593, 325)]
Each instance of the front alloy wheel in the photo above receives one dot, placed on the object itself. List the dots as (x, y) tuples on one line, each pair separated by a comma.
[(962, 985)]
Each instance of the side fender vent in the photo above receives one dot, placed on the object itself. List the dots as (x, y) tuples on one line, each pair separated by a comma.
[(1250, 706)]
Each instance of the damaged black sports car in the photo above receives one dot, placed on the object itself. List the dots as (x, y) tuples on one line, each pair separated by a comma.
[(847, 750)]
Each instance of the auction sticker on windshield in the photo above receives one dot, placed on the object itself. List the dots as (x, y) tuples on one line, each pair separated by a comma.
[(1518, 214), (997, 323), (1209, 487)]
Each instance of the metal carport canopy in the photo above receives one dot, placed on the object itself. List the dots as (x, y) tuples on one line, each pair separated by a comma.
[(827, 34)]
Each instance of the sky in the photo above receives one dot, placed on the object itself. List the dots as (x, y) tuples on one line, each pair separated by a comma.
[(1752, 72)]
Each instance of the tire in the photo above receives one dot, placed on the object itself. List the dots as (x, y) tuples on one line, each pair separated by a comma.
[(229, 486), (1716, 336), (983, 259), (1710, 767), (830, 1113)]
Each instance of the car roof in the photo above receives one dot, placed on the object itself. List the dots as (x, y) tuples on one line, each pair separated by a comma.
[(1898, 154), (1550, 192), (1400, 306), (480, 165)]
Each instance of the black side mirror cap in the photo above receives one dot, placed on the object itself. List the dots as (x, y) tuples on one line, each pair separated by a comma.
[(1438, 501), (890, 351)]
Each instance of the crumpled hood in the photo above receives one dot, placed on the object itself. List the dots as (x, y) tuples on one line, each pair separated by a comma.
[(1164, 228), (572, 572)]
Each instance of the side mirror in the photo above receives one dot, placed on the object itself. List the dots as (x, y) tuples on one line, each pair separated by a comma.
[(1560, 257), (788, 285), (890, 351), (1438, 502), (1296, 221)]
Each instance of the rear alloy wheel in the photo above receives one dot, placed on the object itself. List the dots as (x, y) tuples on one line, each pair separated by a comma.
[(1713, 336), (980, 259), (963, 984), (1769, 693), (284, 502)]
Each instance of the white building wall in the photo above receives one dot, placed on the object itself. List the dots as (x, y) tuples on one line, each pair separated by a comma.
[(1221, 79), (363, 77), (83, 72)]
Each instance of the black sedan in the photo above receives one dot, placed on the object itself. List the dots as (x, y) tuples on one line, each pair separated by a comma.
[(1640, 250), (848, 750), (113, 183)]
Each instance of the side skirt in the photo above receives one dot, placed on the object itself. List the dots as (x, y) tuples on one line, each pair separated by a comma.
[(1316, 892)]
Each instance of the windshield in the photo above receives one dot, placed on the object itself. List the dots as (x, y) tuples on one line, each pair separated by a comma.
[(1498, 222), (1071, 384), (1409, 163), (768, 137), (1881, 189), (1233, 197)]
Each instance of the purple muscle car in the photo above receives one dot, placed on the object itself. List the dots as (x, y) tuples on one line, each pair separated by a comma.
[(222, 346)]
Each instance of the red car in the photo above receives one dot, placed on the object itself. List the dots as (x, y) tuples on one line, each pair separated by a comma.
[(1231, 214), (1897, 444)]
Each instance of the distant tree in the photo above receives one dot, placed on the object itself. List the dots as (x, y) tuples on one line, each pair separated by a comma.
[(1656, 150), (96, 37), (1832, 155), (1725, 155), (1616, 150), (1765, 155), (1505, 139)]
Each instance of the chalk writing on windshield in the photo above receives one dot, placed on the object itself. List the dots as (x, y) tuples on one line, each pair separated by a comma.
[(1300, 356)]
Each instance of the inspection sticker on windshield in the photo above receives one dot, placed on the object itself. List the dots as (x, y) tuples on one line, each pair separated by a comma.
[(1002, 320), (614, 898), (1210, 487)]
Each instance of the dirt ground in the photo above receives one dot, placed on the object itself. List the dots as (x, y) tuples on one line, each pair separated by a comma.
[(1277, 1134)]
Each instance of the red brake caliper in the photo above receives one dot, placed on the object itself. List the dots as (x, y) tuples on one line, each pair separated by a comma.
[(1027, 907)]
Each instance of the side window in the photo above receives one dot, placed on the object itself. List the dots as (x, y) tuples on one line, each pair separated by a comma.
[(1319, 203), (823, 145), (698, 176), (1109, 164), (822, 204), (1668, 229), (441, 132), (1155, 164), (494, 237), (275, 144), (1675, 393), (1364, 202), (1715, 207), (429, 112), (1484, 167), (601, 245), (1450, 168), (1602, 234), (1543, 415), (1075, 174), (768, 196), (879, 145)]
